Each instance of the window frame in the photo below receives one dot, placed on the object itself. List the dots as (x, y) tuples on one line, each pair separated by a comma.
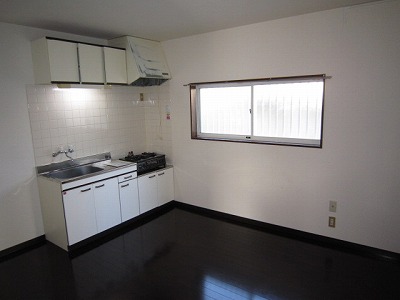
[(252, 139)]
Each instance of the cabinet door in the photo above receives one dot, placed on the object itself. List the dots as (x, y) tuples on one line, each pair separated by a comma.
[(63, 60), (165, 185), (147, 185), (129, 198), (115, 65), (91, 63), (106, 197), (80, 215)]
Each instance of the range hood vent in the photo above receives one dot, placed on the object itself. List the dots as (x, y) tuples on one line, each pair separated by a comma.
[(146, 64)]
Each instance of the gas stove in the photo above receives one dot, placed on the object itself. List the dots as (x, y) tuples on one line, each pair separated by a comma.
[(146, 162)]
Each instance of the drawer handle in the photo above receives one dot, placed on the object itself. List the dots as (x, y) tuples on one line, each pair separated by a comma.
[(99, 186), (127, 177), (125, 185), (161, 174), (82, 191), (152, 176)]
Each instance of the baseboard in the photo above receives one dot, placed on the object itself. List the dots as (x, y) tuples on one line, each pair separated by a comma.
[(22, 247), (303, 236), (319, 240)]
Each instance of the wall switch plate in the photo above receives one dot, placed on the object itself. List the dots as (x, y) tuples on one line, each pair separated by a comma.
[(332, 222), (332, 206)]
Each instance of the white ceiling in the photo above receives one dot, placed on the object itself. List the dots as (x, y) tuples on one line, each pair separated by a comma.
[(154, 19)]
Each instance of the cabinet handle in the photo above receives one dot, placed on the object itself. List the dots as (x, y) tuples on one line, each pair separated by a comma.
[(161, 174), (86, 190), (99, 186), (125, 185), (127, 177), (152, 176)]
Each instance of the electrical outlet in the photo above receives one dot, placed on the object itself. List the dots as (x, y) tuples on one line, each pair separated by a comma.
[(332, 206), (332, 222)]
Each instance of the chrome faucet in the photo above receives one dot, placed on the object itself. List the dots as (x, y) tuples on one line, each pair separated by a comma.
[(61, 150)]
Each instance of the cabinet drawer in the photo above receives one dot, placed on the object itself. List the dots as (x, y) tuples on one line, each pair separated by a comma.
[(127, 176)]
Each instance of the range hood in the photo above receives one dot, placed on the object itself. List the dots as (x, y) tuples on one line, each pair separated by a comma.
[(145, 61)]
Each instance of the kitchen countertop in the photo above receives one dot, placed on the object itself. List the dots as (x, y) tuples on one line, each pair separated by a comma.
[(106, 169), (102, 161)]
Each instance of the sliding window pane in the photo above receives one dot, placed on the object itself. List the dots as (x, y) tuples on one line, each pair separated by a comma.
[(225, 110), (288, 110)]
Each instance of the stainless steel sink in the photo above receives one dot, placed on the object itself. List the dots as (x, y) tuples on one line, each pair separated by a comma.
[(74, 172)]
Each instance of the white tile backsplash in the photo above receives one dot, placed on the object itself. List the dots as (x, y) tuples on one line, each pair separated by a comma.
[(98, 120)]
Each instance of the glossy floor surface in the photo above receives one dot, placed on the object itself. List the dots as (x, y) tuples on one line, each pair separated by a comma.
[(182, 255)]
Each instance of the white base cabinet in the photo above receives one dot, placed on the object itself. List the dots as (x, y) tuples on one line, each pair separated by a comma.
[(80, 214), (91, 209), (128, 196), (147, 185), (106, 200), (165, 186), (76, 210), (155, 189)]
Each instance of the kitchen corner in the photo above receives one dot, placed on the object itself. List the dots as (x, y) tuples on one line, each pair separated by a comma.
[(86, 110)]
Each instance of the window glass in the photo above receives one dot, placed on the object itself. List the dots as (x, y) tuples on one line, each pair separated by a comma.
[(288, 110), (225, 110)]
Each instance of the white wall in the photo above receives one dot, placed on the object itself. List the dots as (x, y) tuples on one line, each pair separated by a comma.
[(359, 163)]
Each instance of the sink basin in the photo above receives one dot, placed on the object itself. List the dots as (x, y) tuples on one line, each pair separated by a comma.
[(74, 172)]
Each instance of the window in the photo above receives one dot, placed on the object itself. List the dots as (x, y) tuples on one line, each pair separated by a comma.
[(284, 111)]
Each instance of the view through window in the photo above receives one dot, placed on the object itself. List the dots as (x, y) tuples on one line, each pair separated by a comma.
[(285, 111)]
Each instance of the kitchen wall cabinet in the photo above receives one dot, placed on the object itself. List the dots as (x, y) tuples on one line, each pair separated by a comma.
[(155, 189), (55, 61), (91, 63), (115, 65), (80, 213), (128, 196), (61, 61), (106, 199)]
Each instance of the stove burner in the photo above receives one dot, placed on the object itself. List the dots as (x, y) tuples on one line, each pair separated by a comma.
[(135, 158), (146, 161)]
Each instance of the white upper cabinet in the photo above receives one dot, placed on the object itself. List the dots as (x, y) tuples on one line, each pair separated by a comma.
[(91, 63), (115, 65), (59, 61), (55, 61)]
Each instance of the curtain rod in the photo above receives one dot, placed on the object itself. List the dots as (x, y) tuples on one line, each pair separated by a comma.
[(324, 76)]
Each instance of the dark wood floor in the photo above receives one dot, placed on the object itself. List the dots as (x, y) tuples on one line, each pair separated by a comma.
[(182, 255)]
